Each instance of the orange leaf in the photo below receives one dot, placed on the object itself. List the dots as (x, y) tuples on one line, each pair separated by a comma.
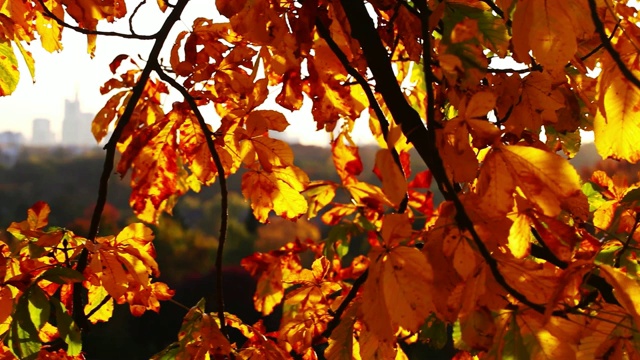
[(394, 185), (546, 179), (395, 293)]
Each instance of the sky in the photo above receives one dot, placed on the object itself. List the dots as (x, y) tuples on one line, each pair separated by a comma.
[(63, 75)]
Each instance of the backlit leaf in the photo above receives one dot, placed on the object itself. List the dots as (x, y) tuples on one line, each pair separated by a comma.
[(394, 185), (9, 74), (544, 178), (394, 294), (617, 125), (279, 191)]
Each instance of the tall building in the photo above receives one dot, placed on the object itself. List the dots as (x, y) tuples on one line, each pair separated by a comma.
[(41, 133), (10, 146), (76, 125)]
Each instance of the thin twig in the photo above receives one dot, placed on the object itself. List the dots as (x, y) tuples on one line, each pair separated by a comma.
[(494, 7), (85, 31), (384, 123), (601, 45), (110, 147), (224, 214), (102, 303), (550, 256), (345, 304), (607, 45), (133, 14), (515, 71), (625, 246)]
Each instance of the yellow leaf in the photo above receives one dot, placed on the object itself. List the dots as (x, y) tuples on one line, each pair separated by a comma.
[(279, 191), (617, 124), (320, 194), (110, 272), (9, 74), (272, 152), (97, 294), (49, 30), (520, 235)]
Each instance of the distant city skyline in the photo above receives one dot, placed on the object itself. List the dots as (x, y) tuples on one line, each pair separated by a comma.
[(76, 128), (60, 76)]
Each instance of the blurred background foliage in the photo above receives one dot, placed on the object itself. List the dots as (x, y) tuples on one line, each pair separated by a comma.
[(186, 242)]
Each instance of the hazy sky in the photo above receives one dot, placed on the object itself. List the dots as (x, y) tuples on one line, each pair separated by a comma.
[(60, 76)]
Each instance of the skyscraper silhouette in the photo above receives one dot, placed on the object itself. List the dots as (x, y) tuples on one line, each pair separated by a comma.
[(76, 125), (41, 133)]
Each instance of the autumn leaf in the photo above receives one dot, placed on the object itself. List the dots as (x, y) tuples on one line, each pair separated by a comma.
[(394, 294), (279, 191), (394, 184), (97, 295), (199, 337), (9, 74), (550, 30), (616, 126), (270, 270), (320, 194), (342, 344), (50, 31)]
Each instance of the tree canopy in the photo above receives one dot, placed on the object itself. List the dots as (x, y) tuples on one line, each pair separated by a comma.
[(522, 259)]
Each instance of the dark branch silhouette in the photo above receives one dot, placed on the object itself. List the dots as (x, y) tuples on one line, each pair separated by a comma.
[(224, 201), (79, 292), (606, 43), (85, 31), (384, 123), (412, 125)]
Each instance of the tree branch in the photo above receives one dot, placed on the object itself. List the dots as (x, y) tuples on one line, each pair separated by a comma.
[(224, 214), (515, 71), (100, 305), (133, 14), (607, 45), (324, 33), (412, 126), (82, 30), (616, 263), (160, 37), (337, 316)]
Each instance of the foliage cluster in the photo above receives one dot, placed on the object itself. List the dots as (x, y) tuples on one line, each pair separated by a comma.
[(521, 259)]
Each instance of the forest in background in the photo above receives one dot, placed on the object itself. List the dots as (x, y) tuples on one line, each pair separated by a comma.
[(186, 242)]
